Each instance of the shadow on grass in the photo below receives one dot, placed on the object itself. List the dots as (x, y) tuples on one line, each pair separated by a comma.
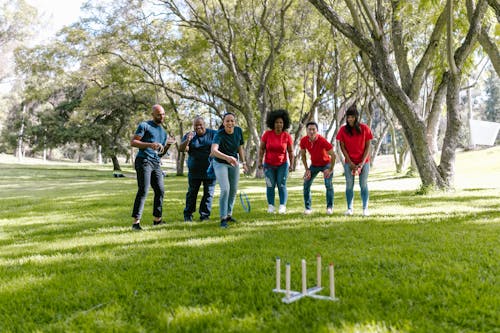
[(71, 263)]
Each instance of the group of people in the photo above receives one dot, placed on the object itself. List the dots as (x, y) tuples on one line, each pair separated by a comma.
[(215, 156)]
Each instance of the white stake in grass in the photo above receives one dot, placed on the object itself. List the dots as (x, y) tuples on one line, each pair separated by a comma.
[(304, 279), (291, 295), (278, 273), (332, 280), (318, 270), (287, 280)]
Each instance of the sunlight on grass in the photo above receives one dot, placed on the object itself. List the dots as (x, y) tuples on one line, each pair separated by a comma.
[(38, 259), (185, 314), (102, 239), (70, 262), (200, 318), (371, 327), (208, 240), (82, 242), (20, 284)]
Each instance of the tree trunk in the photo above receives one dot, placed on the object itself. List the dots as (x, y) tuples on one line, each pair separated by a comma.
[(407, 112), (116, 164)]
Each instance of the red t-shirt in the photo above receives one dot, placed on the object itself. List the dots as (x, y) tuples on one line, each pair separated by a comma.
[(318, 149), (355, 144), (276, 147)]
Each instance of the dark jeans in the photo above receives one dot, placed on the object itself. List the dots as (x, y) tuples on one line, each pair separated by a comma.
[(148, 172), (328, 185), (192, 193)]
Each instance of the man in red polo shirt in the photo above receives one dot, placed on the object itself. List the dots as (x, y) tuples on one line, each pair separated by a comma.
[(322, 160)]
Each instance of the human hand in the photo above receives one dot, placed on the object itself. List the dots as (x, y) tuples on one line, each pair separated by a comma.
[(170, 140), (307, 175), (357, 169), (327, 173), (232, 161), (156, 146)]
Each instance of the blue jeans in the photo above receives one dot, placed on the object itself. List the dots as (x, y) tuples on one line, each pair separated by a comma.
[(363, 184), (227, 177), (328, 184), (276, 176), (148, 172), (192, 193)]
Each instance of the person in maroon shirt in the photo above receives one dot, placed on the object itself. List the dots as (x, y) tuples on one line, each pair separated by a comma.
[(322, 160), (354, 138), (276, 148)]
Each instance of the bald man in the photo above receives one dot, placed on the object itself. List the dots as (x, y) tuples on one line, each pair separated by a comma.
[(153, 142)]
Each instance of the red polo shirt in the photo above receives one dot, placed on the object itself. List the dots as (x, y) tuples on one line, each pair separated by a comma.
[(318, 149), (355, 144), (276, 147)]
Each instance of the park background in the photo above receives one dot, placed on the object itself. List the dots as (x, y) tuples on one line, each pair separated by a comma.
[(423, 74)]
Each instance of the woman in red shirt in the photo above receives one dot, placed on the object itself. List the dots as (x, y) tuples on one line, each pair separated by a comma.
[(274, 146), (355, 138)]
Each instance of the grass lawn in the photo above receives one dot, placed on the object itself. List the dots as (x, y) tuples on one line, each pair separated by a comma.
[(69, 261)]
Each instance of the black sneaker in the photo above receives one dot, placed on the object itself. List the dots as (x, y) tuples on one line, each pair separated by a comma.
[(188, 218), (230, 219), (204, 218), (223, 223), (136, 226), (158, 222)]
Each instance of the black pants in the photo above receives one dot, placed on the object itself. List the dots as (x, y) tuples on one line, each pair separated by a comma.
[(192, 194), (148, 173)]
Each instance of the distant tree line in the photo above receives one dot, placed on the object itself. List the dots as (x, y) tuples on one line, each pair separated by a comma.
[(403, 62)]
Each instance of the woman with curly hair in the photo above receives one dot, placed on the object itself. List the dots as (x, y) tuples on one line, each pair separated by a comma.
[(275, 144)]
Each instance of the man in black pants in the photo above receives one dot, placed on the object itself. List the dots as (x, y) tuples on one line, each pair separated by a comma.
[(151, 139), (198, 144)]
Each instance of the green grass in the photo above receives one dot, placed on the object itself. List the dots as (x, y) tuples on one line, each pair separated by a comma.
[(69, 261)]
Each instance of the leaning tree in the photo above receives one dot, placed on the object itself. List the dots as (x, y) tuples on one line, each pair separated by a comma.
[(400, 60)]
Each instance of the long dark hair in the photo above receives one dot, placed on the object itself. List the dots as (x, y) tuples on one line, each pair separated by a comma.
[(224, 117), (352, 111)]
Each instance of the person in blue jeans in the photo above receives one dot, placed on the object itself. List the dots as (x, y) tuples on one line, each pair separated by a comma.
[(276, 149), (198, 144), (153, 143), (355, 141), (322, 160), (228, 153)]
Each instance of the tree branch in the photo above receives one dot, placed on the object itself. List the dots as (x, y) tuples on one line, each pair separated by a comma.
[(346, 29)]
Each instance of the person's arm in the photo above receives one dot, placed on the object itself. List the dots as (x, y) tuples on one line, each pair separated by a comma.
[(137, 143), (352, 166), (217, 153), (241, 153), (331, 152), (262, 151), (291, 157), (184, 146), (329, 171), (366, 152), (307, 173)]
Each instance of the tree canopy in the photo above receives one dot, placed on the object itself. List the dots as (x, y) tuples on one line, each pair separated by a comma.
[(405, 71)]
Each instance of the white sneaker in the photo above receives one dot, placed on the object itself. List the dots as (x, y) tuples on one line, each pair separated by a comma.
[(308, 212), (366, 212), (282, 209), (329, 211), (270, 209), (348, 212)]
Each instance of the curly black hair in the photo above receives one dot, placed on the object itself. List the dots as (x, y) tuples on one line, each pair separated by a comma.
[(275, 114)]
